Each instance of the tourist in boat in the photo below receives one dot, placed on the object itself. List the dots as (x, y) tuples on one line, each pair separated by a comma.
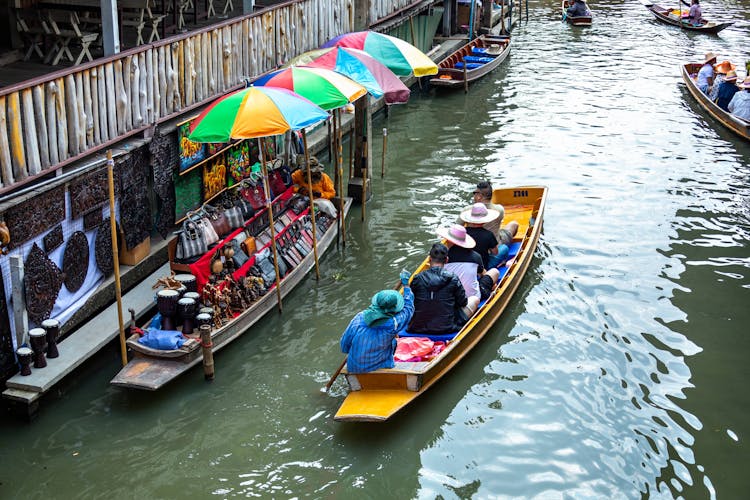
[(578, 9), (370, 339), (739, 106), (483, 194), (695, 16), (322, 185), (440, 302), (467, 264), (706, 73), (726, 90), (486, 242), (720, 71)]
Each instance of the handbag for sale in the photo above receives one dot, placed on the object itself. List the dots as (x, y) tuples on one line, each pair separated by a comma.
[(240, 256), (191, 240), (254, 194), (279, 179), (248, 245), (209, 233), (234, 216), (218, 220)]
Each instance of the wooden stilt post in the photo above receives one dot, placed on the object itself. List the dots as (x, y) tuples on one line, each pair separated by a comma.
[(340, 173), (385, 145), (208, 353), (333, 148), (20, 317), (351, 153), (115, 254), (312, 205), (466, 79), (262, 143)]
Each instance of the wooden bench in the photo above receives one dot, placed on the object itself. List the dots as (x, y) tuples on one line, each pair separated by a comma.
[(64, 28), (31, 32), (138, 14)]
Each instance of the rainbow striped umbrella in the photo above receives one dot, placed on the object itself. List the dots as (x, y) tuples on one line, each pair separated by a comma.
[(360, 67), (254, 112), (324, 87), (399, 56)]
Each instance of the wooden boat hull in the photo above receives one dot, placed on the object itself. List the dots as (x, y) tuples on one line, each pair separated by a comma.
[(736, 125), (577, 20), (151, 373), (709, 27), (378, 395), (450, 77)]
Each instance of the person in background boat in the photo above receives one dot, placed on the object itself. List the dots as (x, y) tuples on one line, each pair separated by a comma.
[(578, 9), (720, 71), (695, 16), (440, 301), (726, 90), (322, 185), (739, 106), (486, 242), (370, 339), (467, 264), (706, 73)]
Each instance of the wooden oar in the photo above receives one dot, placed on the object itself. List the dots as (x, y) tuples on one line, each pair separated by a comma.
[(334, 376)]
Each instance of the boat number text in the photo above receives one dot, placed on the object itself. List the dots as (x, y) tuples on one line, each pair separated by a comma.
[(521, 192)]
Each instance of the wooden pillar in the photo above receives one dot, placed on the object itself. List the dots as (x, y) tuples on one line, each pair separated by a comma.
[(362, 139), (110, 28), (448, 17), (361, 15), (487, 14), (20, 319)]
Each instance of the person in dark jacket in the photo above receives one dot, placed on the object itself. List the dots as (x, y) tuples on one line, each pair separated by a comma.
[(578, 9), (726, 90), (440, 302)]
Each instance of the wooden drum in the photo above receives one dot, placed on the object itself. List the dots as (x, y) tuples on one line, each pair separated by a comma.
[(188, 280), (25, 355), (166, 303)]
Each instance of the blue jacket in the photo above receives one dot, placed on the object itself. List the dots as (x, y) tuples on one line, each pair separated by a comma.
[(372, 347)]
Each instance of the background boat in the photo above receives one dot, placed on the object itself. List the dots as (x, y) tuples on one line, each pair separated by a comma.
[(664, 15), (577, 20), (451, 71), (737, 125)]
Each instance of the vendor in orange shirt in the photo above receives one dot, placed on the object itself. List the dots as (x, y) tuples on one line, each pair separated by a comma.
[(322, 185)]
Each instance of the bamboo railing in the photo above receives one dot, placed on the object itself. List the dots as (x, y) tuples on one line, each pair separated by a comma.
[(383, 8), (54, 120)]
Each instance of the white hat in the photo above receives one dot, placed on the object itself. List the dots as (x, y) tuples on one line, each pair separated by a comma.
[(456, 234), (479, 214)]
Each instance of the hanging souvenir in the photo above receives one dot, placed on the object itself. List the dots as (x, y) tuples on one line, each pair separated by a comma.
[(91, 220), (35, 216), (164, 156), (135, 209), (76, 261), (214, 177), (238, 162), (53, 239), (88, 192), (42, 281), (103, 248), (4, 238)]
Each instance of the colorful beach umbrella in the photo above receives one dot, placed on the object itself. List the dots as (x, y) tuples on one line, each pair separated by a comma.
[(399, 56), (254, 112), (360, 67), (324, 87)]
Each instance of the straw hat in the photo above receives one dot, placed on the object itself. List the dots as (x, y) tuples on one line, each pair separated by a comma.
[(479, 214), (456, 234), (731, 76), (724, 67), (710, 56), (744, 84)]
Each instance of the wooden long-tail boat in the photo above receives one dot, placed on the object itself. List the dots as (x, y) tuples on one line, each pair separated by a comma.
[(574, 20), (376, 396), (150, 369), (737, 125), (480, 56), (668, 16)]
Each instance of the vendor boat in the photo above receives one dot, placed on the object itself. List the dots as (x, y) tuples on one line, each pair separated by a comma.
[(472, 61), (376, 396), (151, 368), (674, 17), (737, 125), (574, 20)]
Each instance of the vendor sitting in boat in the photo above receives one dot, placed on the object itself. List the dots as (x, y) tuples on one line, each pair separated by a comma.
[(578, 9), (370, 338), (695, 16), (440, 302), (720, 72), (322, 185), (739, 106)]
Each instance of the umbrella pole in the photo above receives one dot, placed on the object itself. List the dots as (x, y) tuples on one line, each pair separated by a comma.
[(312, 212), (262, 143), (115, 256), (340, 170)]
